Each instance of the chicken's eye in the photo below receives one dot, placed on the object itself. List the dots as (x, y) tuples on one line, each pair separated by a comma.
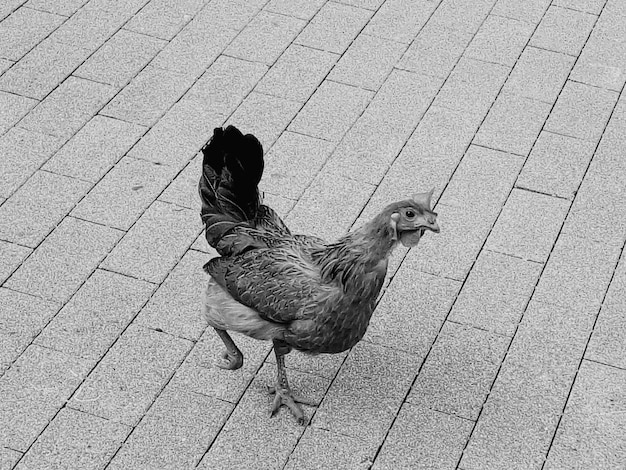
[(410, 214)]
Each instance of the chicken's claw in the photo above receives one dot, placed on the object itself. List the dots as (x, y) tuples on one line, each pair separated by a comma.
[(285, 397), (230, 361)]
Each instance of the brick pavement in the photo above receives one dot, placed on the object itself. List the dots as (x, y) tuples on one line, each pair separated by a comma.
[(498, 344)]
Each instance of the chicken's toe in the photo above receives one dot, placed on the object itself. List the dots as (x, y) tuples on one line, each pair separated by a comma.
[(230, 360), (285, 397)]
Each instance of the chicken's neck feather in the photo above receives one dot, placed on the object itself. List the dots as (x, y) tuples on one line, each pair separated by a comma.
[(358, 260)]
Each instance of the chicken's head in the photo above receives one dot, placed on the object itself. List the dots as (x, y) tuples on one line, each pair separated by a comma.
[(411, 218)]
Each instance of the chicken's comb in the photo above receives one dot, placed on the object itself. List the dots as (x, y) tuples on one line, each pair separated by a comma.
[(423, 199)]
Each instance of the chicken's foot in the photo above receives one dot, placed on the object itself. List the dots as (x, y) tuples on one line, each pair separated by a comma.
[(284, 396), (232, 358)]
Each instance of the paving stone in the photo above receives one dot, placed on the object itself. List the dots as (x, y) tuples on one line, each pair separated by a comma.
[(483, 180), (120, 198), (89, 28), (367, 393), (531, 11), (563, 30), (156, 242), (331, 111), (589, 6), (23, 152), (131, 375), (606, 344), (599, 209), (603, 59), (164, 18), (8, 458), (274, 31), (59, 7), (9, 6), (24, 29), (462, 15), (38, 206), (528, 225), (297, 73), (539, 74), (42, 69), (120, 58), (125, 7), (334, 27), (195, 47), (175, 307), (578, 273), (412, 310), (496, 292), (304, 9), (96, 315), (581, 111), (458, 373), (75, 439), (250, 438), (33, 390), (421, 438), (233, 14), (64, 259), (12, 109), (174, 433), (435, 51), (148, 96), (329, 206), (11, 256), (264, 116), (5, 64), (400, 20), (200, 374), (68, 108), (292, 164), (520, 415), (472, 86), (367, 62), (183, 190), (368, 4), (319, 448), (590, 434), (21, 319), (513, 124), (322, 365), (500, 40), (608, 156), (452, 252), (94, 149), (556, 165), (381, 131)]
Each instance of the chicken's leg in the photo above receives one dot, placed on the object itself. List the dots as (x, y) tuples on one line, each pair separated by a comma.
[(231, 358), (282, 390)]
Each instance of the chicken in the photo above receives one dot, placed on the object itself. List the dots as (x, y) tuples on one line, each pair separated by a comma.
[(297, 291)]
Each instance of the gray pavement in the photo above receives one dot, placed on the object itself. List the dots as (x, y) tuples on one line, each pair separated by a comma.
[(498, 344)]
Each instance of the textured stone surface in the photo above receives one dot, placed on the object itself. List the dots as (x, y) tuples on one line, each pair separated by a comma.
[(530, 11), (75, 439), (400, 20), (11, 256), (496, 293), (305, 9), (590, 434), (96, 315), (12, 109), (63, 261), (164, 18), (500, 40), (563, 30), (131, 375)]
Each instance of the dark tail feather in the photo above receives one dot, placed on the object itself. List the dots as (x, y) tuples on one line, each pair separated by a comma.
[(231, 170)]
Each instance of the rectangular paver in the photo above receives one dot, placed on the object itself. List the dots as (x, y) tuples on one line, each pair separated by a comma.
[(528, 225), (334, 27), (590, 434), (96, 315), (23, 152), (60, 7), (11, 256), (155, 243), (120, 58), (563, 30), (95, 148), (24, 29), (34, 389), (75, 439), (164, 18), (131, 375), (496, 292), (524, 405), (68, 107), (64, 259), (530, 11), (400, 20), (305, 9), (30, 214)]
